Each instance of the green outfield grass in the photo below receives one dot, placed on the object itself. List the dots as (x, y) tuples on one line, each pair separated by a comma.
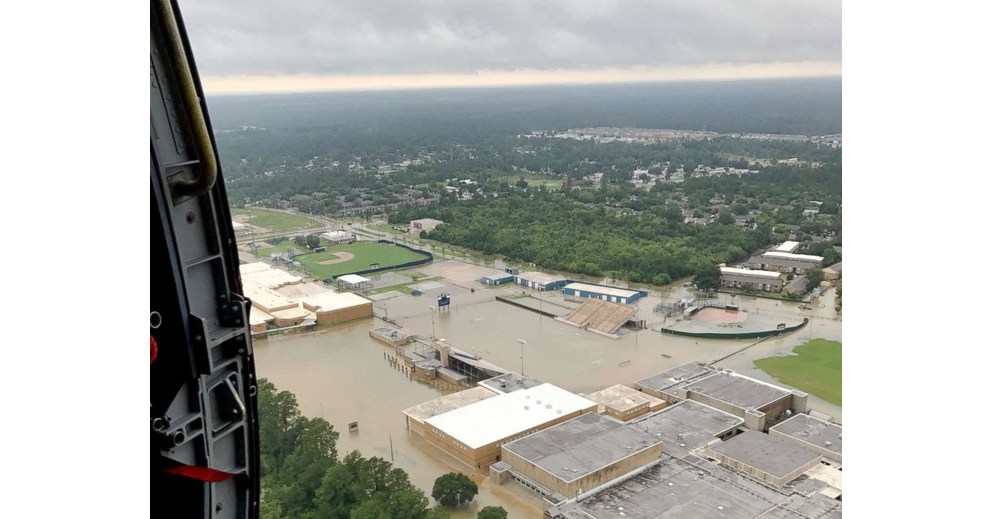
[(365, 253), (815, 369), (276, 221)]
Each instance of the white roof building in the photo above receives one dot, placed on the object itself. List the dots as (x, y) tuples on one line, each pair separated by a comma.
[(353, 279), (789, 246), (506, 415), (790, 256), (330, 301), (745, 272), (600, 289)]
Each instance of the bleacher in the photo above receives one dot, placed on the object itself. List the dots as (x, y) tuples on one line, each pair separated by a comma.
[(603, 316)]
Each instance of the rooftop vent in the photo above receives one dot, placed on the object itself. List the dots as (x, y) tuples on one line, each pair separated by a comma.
[(526, 408), (827, 443)]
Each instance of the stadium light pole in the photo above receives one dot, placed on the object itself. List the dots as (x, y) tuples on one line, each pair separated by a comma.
[(522, 344)]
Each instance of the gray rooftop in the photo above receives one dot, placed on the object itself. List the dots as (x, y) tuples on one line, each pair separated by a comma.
[(391, 333), (581, 445), (676, 489), (509, 382), (686, 426), (667, 380), (812, 430), (766, 453), (622, 398), (738, 390), (428, 364)]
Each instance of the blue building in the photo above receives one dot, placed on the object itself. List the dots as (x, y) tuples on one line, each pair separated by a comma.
[(541, 281), (612, 294), (497, 279)]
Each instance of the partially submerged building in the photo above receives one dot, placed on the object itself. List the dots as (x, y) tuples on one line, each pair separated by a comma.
[(603, 292), (540, 280), (353, 282), (473, 434), (424, 224), (390, 336), (580, 456), (418, 414), (786, 262), (497, 279), (756, 279), (339, 237), (332, 307)]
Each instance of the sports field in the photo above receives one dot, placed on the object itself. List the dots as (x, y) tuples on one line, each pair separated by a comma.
[(816, 369), (341, 259), (266, 220)]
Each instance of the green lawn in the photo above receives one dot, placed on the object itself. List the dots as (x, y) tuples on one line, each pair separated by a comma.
[(815, 369), (365, 253), (276, 221), (533, 179)]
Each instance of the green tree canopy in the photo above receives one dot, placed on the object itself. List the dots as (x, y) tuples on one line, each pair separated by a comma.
[(303, 478), (492, 512), (707, 277), (453, 489)]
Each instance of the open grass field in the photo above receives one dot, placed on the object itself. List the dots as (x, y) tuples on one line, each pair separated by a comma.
[(323, 265), (274, 221), (816, 369), (533, 179)]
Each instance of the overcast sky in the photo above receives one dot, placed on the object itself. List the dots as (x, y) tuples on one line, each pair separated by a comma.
[(396, 43)]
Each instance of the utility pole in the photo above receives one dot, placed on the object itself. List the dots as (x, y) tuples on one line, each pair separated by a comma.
[(522, 344), (433, 333)]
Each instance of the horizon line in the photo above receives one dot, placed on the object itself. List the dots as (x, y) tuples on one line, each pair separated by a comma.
[(301, 84)]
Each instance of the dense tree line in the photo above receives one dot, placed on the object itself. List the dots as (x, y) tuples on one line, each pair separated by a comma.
[(302, 476), (556, 232)]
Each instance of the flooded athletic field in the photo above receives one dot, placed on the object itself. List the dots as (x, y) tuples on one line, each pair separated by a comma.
[(342, 374)]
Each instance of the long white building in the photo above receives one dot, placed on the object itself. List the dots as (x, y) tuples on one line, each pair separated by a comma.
[(756, 279), (786, 262)]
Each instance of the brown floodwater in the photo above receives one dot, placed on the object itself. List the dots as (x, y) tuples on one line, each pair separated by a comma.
[(343, 375)]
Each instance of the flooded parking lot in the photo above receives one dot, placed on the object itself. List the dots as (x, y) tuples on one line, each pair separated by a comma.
[(342, 374)]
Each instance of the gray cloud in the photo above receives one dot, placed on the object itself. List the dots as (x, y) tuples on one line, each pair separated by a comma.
[(278, 37)]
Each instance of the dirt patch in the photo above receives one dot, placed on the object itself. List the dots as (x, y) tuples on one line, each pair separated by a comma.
[(719, 315), (341, 258)]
